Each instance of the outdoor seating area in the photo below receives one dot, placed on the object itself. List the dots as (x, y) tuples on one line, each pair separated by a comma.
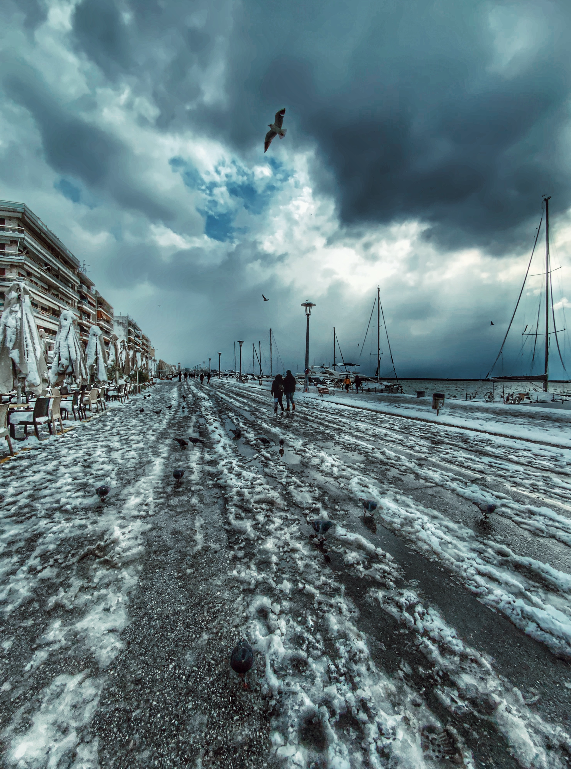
[(58, 410), (44, 394)]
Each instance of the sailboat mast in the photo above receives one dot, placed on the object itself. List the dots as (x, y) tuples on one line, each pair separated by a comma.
[(545, 383), (378, 335), (334, 348)]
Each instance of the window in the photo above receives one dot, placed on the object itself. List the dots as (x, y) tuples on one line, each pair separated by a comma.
[(2, 246), (2, 222)]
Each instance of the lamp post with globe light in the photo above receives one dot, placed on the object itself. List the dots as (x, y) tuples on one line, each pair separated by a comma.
[(308, 305)]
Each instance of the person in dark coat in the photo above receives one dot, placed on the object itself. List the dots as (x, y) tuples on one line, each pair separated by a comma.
[(277, 392), (289, 390), (208, 377), (201, 378), (358, 383), (180, 376)]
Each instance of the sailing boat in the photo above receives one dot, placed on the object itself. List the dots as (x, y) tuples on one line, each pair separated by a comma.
[(548, 309)]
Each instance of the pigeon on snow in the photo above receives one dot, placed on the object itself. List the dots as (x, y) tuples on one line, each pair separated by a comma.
[(242, 659), (102, 492), (321, 528), (369, 505), (275, 129)]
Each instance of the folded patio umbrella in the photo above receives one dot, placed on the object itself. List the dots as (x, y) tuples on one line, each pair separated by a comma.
[(69, 357), (96, 356), (21, 354)]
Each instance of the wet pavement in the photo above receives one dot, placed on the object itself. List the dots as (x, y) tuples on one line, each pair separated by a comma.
[(419, 636)]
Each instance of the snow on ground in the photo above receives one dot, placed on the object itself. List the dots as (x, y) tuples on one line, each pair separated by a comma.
[(421, 637)]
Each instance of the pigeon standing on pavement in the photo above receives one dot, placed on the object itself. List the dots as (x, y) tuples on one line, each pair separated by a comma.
[(181, 442), (321, 528), (487, 510), (142, 410), (237, 434), (275, 129), (242, 659), (102, 492), (195, 440), (264, 440), (369, 505)]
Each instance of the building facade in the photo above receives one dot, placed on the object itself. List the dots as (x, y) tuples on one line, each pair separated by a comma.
[(31, 253)]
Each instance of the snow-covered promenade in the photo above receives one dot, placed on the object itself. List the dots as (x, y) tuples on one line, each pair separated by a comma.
[(424, 637)]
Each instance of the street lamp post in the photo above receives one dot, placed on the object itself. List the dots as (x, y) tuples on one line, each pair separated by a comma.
[(209, 359), (219, 354), (240, 342), (308, 305)]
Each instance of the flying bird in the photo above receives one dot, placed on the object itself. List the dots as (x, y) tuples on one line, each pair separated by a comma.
[(242, 659), (102, 492), (181, 442), (492, 323), (177, 474), (321, 528), (275, 129), (195, 440), (264, 298)]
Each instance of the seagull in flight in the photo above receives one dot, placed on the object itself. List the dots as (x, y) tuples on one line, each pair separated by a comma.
[(275, 129), (264, 298), (492, 323)]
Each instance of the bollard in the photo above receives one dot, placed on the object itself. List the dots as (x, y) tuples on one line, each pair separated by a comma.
[(438, 401), (420, 393)]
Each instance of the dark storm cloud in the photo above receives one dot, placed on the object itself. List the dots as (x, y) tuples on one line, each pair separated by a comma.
[(73, 146), (101, 33), (412, 109)]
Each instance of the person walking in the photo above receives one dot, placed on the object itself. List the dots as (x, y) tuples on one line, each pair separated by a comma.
[(277, 392), (289, 390), (180, 376), (208, 377), (358, 383), (347, 383), (201, 378)]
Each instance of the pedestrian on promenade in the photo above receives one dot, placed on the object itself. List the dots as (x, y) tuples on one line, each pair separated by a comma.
[(180, 376), (347, 383), (358, 383), (208, 377), (201, 378), (185, 375), (277, 392), (289, 390)]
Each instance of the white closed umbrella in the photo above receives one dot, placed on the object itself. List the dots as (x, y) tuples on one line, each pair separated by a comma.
[(96, 356), (21, 354), (69, 357)]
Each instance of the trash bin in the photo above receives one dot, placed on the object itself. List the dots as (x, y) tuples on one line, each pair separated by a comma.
[(420, 393), (437, 401)]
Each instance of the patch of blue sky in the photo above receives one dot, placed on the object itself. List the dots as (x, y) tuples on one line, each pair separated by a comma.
[(68, 190), (219, 226), (229, 188)]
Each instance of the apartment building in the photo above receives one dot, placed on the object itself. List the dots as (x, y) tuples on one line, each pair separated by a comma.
[(30, 252)]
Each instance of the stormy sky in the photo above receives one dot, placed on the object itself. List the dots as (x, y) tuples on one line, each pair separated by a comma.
[(421, 136)]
